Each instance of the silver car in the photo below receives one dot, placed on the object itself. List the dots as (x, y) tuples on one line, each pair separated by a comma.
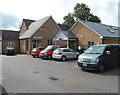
[(64, 53)]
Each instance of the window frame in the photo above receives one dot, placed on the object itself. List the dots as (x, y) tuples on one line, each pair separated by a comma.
[(10, 44)]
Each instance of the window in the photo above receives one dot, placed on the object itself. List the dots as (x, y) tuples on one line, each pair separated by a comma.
[(90, 43), (11, 44), (49, 42), (66, 50), (36, 43), (71, 50)]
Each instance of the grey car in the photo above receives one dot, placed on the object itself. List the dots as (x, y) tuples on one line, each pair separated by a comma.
[(64, 53)]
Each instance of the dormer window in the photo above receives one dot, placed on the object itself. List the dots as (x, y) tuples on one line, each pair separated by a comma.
[(113, 27), (111, 31)]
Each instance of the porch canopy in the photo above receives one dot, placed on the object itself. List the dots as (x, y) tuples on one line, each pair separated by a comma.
[(66, 37)]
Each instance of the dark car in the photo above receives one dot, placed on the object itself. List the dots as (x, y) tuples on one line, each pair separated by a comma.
[(100, 57), (35, 52), (9, 51), (80, 51)]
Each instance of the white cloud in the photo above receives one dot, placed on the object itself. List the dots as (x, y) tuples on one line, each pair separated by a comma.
[(107, 10)]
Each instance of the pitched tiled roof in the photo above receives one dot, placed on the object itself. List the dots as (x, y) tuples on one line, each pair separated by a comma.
[(64, 27), (102, 29), (68, 34), (9, 34), (33, 28), (28, 22)]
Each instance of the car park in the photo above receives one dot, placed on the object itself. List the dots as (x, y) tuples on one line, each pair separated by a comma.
[(100, 57), (48, 51), (35, 51), (65, 53), (9, 51)]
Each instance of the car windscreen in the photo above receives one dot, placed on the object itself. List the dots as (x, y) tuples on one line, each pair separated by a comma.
[(34, 49), (95, 50), (41, 48), (49, 48)]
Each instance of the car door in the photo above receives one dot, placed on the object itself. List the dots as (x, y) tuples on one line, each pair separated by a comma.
[(72, 54), (109, 58), (115, 57), (66, 53)]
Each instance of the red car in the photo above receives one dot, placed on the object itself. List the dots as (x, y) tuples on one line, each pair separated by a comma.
[(35, 52), (47, 52)]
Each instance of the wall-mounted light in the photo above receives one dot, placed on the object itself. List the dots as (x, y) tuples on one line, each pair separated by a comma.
[(82, 36)]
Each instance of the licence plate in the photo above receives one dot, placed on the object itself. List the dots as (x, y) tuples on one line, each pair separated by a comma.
[(85, 65)]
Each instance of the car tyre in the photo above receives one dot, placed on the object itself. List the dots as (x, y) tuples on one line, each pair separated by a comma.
[(33, 56), (102, 68), (63, 58), (77, 57), (49, 57), (84, 69)]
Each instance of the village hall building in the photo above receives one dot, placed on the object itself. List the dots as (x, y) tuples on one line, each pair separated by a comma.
[(46, 31)]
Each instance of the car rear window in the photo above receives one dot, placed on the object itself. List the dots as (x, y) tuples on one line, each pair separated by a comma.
[(57, 50)]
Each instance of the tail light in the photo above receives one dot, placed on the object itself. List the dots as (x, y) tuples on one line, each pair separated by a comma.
[(60, 53)]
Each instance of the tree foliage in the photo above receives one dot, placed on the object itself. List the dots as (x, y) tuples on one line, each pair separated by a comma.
[(81, 12), (69, 19)]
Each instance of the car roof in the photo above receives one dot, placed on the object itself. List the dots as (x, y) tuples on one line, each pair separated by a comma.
[(56, 45), (63, 48), (107, 45), (40, 47)]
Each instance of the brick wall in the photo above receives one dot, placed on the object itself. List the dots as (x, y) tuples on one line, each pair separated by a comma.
[(23, 29), (84, 35), (111, 41), (16, 45)]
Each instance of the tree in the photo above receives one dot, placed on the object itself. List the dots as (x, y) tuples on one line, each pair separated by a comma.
[(81, 12), (93, 18), (69, 19)]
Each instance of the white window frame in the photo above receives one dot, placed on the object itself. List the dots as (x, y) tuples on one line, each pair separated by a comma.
[(11, 44), (37, 43)]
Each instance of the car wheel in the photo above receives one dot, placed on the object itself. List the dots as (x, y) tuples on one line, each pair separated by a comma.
[(77, 56), (82, 69), (37, 55), (63, 58), (102, 68), (33, 56), (49, 57)]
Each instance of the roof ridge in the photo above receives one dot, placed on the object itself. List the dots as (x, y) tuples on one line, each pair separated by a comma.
[(37, 24), (28, 19), (8, 30), (47, 17), (98, 23)]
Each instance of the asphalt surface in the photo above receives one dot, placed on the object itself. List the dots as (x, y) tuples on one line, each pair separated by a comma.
[(24, 74)]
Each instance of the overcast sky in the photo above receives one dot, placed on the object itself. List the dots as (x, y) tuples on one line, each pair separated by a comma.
[(13, 11)]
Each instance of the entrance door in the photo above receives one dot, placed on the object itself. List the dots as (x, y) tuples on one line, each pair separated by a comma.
[(36, 43), (73, 44)]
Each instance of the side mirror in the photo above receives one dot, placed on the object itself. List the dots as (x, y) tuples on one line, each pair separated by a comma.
[(107, 52)]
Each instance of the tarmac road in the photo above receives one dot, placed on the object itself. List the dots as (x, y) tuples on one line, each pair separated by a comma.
[(24, 74)]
